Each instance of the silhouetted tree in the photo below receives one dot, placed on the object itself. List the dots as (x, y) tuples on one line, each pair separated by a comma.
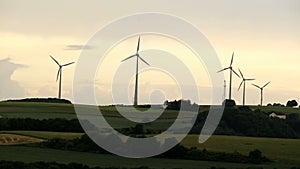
[(292, 103)]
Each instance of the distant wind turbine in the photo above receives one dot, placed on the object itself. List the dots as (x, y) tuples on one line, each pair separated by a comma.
[(59, 75), (230, 77), (261, 91), (244, 89), (135, 102)]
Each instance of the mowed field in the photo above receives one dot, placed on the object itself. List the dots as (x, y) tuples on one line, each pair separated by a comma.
[(13, 139)]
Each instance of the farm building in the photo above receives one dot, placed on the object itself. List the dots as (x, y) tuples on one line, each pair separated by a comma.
[(281, 116)]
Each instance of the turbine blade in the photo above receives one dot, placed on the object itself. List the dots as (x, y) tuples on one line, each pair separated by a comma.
[(68, 64), (58, 72), (249, 79), (256, 85), (138, 45), (222, 69), (236, 73), (54, 60), (143, 60), (128, 58), (266, 84), (241, 73), (241, 84), (232, 59)]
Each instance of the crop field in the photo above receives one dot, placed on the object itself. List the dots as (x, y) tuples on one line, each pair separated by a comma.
[(45, 134), (13, 139)]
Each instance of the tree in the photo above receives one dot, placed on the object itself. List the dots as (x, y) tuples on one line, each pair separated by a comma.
[(292, 103)]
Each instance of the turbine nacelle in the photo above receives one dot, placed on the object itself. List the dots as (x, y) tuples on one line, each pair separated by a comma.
[(261, 88), (230, 67), (137, 54), (244, 79), (261, 91), (60, 66)]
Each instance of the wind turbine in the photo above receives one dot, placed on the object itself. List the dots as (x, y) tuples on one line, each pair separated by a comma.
[(135, 102), (244, 89), (230, 77), (59, 74), (261, 91)]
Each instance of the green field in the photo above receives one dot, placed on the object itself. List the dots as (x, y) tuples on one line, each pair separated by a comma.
[(280, 150), (56, 110), (284, 152), (285, 110), (36, 110), (32, 154)]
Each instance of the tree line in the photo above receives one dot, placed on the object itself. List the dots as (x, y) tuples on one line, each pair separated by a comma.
[(53, 165), (245, 122), (85, 144), (235, 121)]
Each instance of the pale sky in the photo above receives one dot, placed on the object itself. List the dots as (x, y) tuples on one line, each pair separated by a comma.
[(264, 34)]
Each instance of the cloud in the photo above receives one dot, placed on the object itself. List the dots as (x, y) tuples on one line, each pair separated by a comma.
[(9, 89), (78, 47)]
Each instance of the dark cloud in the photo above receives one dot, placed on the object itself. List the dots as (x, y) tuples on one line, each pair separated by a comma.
[(9, 88), (78, 47)]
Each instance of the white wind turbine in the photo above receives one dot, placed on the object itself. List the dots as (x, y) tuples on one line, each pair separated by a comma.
[(244, 88), (230, 77), (135, 101), (59, 74), (261, 91)]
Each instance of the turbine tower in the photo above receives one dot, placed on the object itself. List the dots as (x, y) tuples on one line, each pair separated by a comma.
[(224, 94), (230, 77), (59, 74), (261, 91), (135, 101), (244, 88)]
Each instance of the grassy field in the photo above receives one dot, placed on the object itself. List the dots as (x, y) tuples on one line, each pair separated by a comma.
[(58, 110), (285, 110), (36, 110), (281, 150), (32, 154)]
